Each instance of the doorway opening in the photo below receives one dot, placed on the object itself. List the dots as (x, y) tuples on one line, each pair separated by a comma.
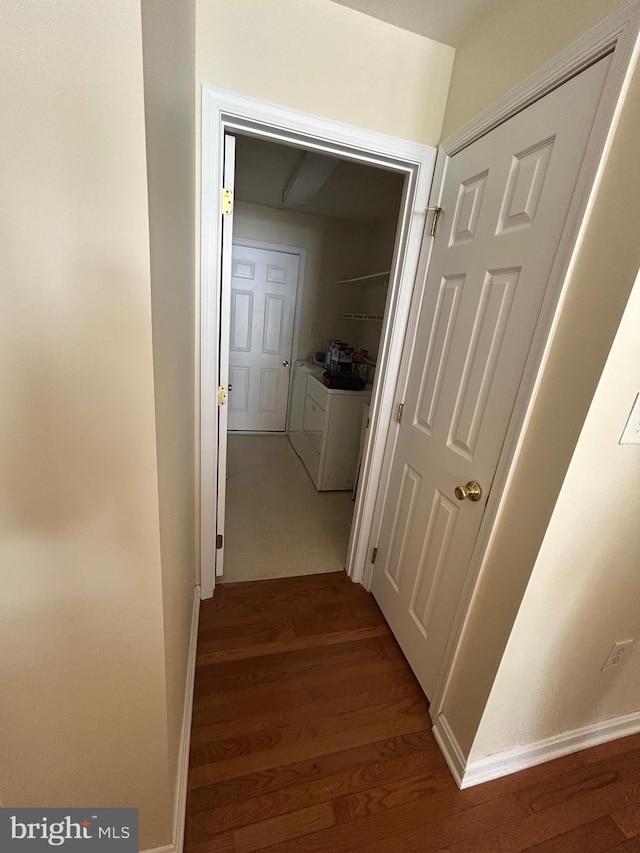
[(314, 237), (226, 114)]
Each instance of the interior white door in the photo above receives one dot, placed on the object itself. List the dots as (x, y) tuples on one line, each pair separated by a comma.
[(228, 181), (263, 299), (505, 200)]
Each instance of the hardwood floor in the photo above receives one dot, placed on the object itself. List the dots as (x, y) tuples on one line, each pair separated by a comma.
[(311, 735)]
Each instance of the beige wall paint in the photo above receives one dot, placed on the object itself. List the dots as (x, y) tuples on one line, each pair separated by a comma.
[(508, 44), (83, 718), (595, 298), (323, 58), (589, 563), (168, 30)]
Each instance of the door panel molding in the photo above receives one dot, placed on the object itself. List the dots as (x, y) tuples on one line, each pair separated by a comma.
[(302, 259), (403, 520), (263, 313), (442, 328), (477, 376), (437, 543), (241, 308)]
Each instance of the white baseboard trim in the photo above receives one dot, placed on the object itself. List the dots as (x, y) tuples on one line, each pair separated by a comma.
[(522, 757), (449, 747), (180, 807), (180, 802)]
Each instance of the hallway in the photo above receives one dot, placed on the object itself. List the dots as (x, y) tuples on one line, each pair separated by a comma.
[(311, 735)]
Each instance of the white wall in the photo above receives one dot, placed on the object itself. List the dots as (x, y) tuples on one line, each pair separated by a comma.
[(168, 30), (83, 713), (378, 244), (349, 253), (594, 302), (323, 58)]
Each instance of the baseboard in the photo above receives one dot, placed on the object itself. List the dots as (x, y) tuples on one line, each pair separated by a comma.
[(522, 757), (185, 739), (180, 801), (449, 747)]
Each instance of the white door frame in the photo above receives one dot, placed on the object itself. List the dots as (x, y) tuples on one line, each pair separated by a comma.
[(302, 259), (616, 34), (229, 112)]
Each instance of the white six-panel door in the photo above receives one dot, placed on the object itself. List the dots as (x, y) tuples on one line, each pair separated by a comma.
[(505, 200), (263, 301)]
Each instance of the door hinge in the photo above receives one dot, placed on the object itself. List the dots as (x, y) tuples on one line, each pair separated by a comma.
[(399, 412), (374, 556), (434, 222), (222, 395), (227, 201), (219, 540)]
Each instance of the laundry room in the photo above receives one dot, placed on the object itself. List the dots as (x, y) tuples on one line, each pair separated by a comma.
[(313, 246)]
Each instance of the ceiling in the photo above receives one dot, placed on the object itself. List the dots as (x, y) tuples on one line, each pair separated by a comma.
[(446, 21), (352, 191)]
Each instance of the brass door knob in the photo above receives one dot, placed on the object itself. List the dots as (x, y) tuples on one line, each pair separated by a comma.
[(285, 363), (472, 491)]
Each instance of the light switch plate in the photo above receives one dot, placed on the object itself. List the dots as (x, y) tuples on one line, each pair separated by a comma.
[(631, 434)]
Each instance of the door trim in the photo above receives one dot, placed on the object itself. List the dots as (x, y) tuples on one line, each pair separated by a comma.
[(617, 35), (302, 259), (224, 111)]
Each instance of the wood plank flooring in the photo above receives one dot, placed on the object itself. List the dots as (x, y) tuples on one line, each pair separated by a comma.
[(310, 735)]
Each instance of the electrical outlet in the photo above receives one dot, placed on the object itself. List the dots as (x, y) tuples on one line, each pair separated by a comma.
[(631, 434), (620, 651)]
